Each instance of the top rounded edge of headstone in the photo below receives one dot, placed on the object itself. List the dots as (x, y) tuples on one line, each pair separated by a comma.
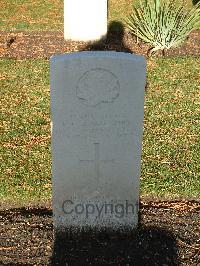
[(102, 54)]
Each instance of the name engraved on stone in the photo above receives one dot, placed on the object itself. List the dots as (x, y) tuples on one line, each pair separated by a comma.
[(97, 86), (119, 128), (86, 126)]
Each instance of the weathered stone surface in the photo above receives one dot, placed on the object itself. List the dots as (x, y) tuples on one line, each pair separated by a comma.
[(97, 104)]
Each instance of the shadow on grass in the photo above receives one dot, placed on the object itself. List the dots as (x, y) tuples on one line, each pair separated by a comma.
[(113, 42), (142, 246)]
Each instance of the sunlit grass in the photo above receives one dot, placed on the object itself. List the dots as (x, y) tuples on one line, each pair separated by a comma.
[(25, 140), (171, 143), (48, 14)]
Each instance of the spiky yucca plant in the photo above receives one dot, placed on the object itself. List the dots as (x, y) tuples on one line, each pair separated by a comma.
[(163, 23)]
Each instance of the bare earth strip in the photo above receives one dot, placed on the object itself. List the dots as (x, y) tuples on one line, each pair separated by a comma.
[(167, 235), (44, 44)]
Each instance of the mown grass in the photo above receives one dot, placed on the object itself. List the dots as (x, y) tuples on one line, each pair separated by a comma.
[(48, 15), (26, 133), (170, 145)]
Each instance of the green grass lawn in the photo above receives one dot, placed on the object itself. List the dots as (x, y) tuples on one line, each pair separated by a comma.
[(26, 129), (170, 145), (48, 14)]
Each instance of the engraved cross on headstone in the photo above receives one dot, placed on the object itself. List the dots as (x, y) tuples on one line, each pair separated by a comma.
[(96, 160)]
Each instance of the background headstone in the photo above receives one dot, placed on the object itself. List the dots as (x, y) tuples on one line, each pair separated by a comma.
[(97, 104), (85, 20)]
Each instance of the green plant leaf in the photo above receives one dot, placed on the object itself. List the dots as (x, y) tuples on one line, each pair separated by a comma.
[(163, 23)]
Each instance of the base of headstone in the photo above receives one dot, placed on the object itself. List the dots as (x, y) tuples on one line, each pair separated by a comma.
[(123, 218), (88, 232)]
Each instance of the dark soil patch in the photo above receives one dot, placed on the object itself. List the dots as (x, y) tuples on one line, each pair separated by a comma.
[(47, 43), (167, 235)]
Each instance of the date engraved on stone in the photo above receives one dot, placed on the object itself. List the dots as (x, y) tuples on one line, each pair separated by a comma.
[(97, 86)]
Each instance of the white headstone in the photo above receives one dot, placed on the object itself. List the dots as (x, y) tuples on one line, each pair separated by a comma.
[(85, 20), (97, 104)]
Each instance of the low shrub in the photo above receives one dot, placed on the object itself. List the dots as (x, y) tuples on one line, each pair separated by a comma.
[(163, 23)]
